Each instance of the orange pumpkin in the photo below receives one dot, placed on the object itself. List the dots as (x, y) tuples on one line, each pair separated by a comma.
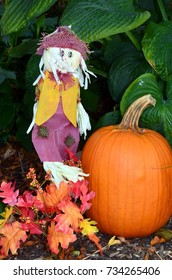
[(131, 175)]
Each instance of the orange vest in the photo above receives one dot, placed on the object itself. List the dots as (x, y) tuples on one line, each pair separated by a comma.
[(49, 98)]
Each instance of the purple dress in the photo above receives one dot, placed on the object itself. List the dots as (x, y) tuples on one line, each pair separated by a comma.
[(60, 134)]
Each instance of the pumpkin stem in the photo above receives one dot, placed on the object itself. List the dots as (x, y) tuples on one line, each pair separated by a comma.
[(132, 115)]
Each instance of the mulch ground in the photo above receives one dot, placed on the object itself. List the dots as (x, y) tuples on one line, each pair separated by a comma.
[(14, 165)]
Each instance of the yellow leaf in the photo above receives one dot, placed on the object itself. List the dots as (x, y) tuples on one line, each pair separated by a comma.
[(6, 214), (88, 227), (113, 241)]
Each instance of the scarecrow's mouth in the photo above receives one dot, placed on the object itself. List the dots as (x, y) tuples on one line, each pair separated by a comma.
[(60, 68)]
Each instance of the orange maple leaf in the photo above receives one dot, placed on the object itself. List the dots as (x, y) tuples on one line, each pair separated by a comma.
[(12, 235), (57, 238), (52, 196), (156, 240), (71, 216), (96, 240)]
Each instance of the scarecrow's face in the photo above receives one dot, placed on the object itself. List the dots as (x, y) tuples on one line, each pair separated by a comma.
[(61, 59)]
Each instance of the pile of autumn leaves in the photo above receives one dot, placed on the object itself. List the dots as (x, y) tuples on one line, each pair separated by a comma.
[(51, 211)]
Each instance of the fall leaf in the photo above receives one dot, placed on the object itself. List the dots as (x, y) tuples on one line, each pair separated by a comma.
[(71, 155), (156, 240), (88, 227), (30, 243), (28, 200), (55, 239), (32, 227), (85, 196), (71, 216), (164, 233), (113, 241), (28, 223), (75, 189), (52, 196), (96, 240), (150, 251), (7, 192), (123, 240), (5, 215), (12, 235)]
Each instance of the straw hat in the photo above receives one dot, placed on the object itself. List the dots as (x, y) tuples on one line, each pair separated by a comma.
[(63, 37)]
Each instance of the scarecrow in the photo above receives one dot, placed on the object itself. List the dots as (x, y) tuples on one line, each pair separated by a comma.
[(58, 115)]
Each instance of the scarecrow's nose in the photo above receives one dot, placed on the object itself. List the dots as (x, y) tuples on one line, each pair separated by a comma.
[(64, 58)]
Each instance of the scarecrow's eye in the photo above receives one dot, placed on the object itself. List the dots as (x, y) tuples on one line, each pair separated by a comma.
[(62, 52), (70, 54)]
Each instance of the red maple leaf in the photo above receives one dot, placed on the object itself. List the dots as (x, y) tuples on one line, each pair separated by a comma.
[(28, 223), (75, 189), (85, 196), (71, 155), (71, 216), (28, 200), (32, 227), (57, 238), (7, 191)]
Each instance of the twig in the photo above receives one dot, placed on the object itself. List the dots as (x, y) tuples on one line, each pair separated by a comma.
[(97, 251), (158, 255)]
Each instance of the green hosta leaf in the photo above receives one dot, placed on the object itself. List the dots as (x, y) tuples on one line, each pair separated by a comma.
[(7, 111), (26, 47), (32, 72), (19, 12), (91, 97), (115, 47), (157, 47), (110, 118), (158, 118), (6, 74), (22, 125), (96, 19), (124, 70)]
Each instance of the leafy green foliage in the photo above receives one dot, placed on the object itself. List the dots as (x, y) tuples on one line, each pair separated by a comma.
[(6, 74), (109, 118), (124, 69), (158, 117), (130, 40), (7, 111), (157, 47), (93, 20), (18, 13), (17, 68)]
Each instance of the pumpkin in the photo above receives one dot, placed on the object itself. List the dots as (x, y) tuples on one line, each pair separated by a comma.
[(130, 172)]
